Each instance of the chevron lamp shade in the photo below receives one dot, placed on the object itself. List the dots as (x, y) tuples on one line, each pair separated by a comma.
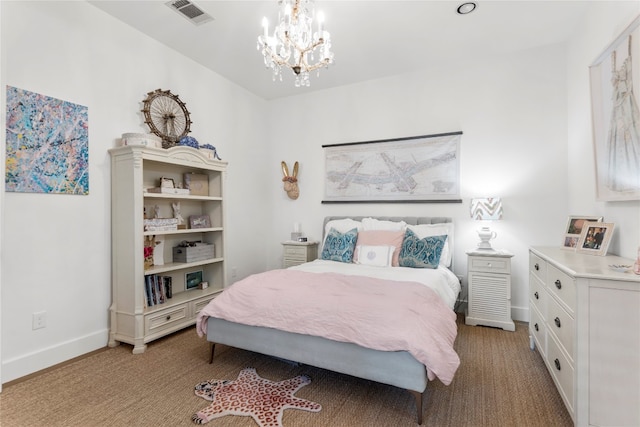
[(489, 208)]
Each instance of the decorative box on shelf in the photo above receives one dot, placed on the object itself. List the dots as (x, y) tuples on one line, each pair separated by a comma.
[(197, 183), (161, 224), (199, 252), (168, 190)]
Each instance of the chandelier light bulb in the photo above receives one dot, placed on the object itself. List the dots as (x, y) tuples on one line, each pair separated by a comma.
[(320, 24)]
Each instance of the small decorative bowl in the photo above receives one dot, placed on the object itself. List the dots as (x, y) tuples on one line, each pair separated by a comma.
[(620, 268)]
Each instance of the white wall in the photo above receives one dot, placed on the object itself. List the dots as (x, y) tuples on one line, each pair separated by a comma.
[(602, 24), (59, 257), (513, 113)]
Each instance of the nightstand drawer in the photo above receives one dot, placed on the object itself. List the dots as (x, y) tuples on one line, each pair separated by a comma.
[(490, 264), (295, 252)]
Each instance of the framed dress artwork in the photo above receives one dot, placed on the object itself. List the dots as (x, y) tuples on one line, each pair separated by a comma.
[(615, 86)]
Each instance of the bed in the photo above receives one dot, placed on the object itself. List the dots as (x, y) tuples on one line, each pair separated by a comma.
[(407, 368)]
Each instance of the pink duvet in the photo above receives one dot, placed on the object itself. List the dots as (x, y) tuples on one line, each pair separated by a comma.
[(373, 313)]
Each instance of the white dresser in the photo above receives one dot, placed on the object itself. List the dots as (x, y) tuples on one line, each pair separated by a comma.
[(585, 322)]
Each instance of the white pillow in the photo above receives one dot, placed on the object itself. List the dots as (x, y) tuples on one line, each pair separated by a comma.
[(341, 225), (376, 224), (379, 256), (441, 229)]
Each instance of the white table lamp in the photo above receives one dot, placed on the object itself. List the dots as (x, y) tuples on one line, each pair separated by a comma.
[(486, 209)]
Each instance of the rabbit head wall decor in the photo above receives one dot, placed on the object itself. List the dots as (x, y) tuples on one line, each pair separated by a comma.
[(291, 182)]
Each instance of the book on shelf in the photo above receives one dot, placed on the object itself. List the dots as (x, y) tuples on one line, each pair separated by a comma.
[(157, 289)]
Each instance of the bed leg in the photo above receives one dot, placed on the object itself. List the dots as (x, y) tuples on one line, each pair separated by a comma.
[(213, 347), (418, 398)]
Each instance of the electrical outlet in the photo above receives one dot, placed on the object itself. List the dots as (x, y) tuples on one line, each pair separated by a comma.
[(234, 272), (39, 320)]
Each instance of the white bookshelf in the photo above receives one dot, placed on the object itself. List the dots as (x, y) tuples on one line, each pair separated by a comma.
[(133, 170)]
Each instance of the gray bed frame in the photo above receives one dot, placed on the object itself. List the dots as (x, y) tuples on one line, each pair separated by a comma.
[(396, 368)]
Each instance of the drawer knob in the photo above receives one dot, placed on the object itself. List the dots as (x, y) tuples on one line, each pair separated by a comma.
[(536, 327), (557, 321), (537, 267), (489, 265), (536, 295), (558, 284), (169, 317), (557, 363)]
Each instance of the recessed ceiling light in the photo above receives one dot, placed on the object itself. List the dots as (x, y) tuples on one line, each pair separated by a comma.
[(465, 8)]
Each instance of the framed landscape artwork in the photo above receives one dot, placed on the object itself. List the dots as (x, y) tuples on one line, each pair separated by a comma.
[(412, 169), (615, 97)]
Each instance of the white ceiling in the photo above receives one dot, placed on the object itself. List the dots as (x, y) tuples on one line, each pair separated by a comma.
[(370, 39)]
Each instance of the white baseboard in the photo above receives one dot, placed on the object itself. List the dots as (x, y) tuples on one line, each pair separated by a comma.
[(520, 313), (26, 364)]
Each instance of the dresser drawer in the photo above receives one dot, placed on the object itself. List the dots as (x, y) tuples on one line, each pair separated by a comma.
[(561, 370), (166, 319), (562, 286), (538, 266), (537, 294), (537, 328), (489, 264), (561, 324)]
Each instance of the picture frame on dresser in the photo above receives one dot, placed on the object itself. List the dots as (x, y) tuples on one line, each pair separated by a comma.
[(574, 229), (595, 238)]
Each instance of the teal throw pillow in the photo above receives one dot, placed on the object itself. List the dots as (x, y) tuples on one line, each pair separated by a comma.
[(340, 246), (421, 253)]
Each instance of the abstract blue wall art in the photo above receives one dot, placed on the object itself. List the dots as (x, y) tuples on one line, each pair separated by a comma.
[(47, 144)]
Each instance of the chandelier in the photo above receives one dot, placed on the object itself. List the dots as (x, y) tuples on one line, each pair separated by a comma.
[(294, 44)]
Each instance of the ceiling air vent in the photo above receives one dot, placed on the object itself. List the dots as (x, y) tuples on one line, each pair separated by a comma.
[(190, 11)]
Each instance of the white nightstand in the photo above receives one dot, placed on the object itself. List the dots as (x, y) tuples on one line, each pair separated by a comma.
[(295, 253), (489, 294)]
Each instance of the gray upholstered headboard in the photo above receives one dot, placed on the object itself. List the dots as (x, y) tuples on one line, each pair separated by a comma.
[(413, 220)]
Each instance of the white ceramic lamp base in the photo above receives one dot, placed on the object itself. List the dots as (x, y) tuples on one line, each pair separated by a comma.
[(486, 235)]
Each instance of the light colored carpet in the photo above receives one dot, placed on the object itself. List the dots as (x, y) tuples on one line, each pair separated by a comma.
[(500, 382)]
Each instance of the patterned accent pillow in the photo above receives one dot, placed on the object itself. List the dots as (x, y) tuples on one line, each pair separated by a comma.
[(439, 229), (421, 253), (339, 246)]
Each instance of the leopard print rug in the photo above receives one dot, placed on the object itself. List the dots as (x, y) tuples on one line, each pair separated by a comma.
[(251, 395)]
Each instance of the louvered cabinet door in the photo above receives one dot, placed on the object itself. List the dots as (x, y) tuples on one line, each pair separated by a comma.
[(489, 298)]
